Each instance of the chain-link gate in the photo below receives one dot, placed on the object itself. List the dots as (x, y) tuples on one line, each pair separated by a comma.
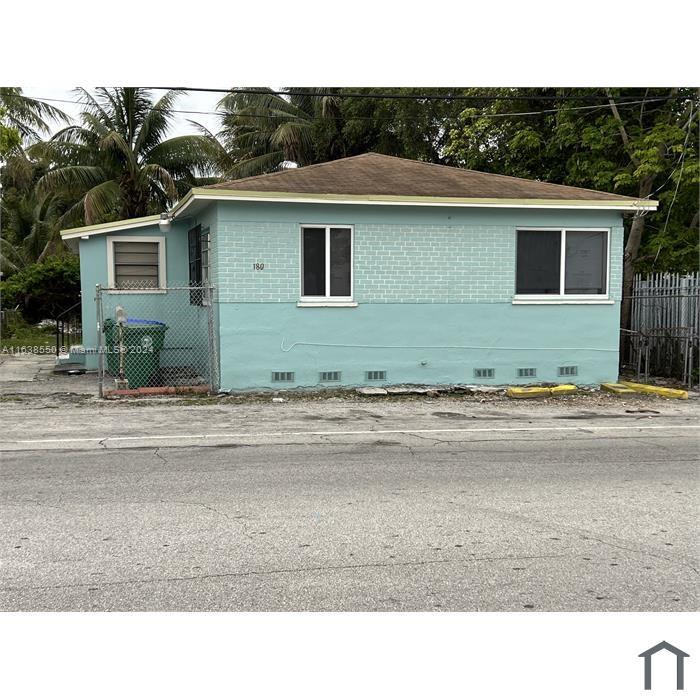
[(156, 340)]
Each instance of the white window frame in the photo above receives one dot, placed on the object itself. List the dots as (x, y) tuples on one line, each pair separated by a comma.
[(111, 276), (327, 299), (206, 269), (562, 297)]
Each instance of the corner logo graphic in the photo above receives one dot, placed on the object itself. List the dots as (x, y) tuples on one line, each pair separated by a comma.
[(680, 658)]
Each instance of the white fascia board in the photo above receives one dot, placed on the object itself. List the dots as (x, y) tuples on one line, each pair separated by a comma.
[(585, 205), (87, 231)]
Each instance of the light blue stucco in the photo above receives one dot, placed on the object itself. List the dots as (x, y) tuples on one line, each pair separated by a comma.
[(434, 287), (163, 307)]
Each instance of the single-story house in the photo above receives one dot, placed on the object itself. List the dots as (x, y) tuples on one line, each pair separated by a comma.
[(381, 270)]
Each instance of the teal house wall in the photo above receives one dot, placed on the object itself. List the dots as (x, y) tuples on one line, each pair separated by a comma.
[(434, 288), (177, 313)]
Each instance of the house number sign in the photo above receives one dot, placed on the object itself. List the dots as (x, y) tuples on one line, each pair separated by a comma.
[(258, 266)]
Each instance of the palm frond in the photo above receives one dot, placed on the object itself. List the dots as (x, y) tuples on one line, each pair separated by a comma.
[(76, 177), (255, 165), (157, 174), (114, 141), (92, 106), (188, 153), (156, 122), (101, 201), (29, 116)]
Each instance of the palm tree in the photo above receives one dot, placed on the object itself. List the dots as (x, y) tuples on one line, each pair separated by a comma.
[(29, 116), (117, 164), (262, 129), (30, 223)]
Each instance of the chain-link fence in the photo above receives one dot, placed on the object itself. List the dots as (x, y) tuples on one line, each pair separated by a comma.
[(156, 340)]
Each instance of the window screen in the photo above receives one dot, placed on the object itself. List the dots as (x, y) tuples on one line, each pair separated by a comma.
[(198, 253), (586, 262), (539, 261), (340, 262), (194, 241), (135, 264), (314, 262), (326, 262)]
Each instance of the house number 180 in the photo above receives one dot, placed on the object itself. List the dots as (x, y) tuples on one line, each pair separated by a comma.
[(258, 266)]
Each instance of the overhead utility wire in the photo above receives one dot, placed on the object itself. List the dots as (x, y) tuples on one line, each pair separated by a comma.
[(395, 96), (291, 116)]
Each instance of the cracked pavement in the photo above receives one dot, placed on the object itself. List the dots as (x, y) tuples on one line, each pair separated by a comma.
[(343, 505)]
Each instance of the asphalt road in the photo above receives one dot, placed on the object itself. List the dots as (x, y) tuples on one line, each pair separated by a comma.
[(566, 515)]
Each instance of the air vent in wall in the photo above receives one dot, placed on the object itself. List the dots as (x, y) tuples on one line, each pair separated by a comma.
[(527, 372), (329, 376), (484, 372), (375, 375), (568, 371), (283, 376)]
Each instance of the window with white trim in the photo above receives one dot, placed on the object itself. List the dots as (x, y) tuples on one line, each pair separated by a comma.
[(563, 262), (198, 258), (198, 251), (136, 262), (326, 263)]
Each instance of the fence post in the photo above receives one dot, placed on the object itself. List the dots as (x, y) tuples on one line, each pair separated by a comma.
[(100, 344), (211, 332)]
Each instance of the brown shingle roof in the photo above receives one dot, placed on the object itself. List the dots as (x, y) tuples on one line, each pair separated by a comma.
[(377, 174)]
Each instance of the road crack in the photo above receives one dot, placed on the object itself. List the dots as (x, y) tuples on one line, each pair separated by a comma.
[(292, 570)]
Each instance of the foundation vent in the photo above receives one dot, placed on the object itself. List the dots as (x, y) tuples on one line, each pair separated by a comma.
[(283, 376), (527, 372), (484, 372), (375, 375), (568, 371), (329, 376)]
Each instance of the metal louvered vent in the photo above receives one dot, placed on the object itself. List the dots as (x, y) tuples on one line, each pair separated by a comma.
[(484, 372), (375, 375), (527, 372), (283, 376), (568, 371), (329, 376)]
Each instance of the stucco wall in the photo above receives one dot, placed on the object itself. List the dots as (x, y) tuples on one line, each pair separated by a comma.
[(93, 271), (434, 287)]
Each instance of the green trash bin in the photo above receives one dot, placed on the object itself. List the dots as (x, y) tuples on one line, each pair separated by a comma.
[(142, 341)]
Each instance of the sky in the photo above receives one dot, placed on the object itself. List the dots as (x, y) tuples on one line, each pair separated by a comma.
[(191, 101)]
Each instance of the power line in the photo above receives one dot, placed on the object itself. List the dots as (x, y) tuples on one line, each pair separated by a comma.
[(399, 96), (351, 118), (678, 184)]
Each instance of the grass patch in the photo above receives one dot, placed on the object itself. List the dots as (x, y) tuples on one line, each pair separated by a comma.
[(21, 337)]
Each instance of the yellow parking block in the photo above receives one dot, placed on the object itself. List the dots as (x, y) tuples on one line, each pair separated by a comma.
[(563, 389), (658, 390), (613, 388), (527, 392)]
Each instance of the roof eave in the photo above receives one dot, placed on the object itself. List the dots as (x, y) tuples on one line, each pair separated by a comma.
[(109, 227), (200, 194), (205, 194)]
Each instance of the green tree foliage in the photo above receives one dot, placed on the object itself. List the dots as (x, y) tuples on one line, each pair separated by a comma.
[(29, 117), (43, 290), (9, 137), (263, 129), (117, 163), (26, 225), (616, 143), (408, 125)]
